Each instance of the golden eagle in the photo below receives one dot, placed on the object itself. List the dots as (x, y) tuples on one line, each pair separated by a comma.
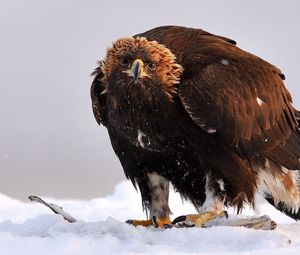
[(190, 108)]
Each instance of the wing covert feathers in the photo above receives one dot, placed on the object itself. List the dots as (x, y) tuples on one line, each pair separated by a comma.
[(234, 94)]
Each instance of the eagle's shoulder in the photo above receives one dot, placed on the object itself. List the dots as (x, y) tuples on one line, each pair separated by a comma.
[(231, 92), (180, 40)]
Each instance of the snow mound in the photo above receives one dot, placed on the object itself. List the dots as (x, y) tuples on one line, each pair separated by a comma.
[(33, 229)]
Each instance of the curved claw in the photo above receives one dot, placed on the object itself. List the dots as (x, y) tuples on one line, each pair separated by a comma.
[(129, 221), (181, 222), (179, 219), (198, 220), (225, 214)]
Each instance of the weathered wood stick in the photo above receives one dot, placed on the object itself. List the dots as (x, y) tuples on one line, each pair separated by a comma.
[(55, 208)]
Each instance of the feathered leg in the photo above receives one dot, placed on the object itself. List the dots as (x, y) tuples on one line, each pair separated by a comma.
[(159, 203), (212, 211), (213, 207)]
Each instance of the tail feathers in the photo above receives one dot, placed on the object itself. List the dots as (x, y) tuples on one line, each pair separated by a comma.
[(282, 207)]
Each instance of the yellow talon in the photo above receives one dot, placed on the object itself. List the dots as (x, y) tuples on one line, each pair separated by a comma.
[(157, 222), (144, 223), (206, 217), (198, 220)]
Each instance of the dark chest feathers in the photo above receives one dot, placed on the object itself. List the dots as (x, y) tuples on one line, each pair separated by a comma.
[(147, 121)]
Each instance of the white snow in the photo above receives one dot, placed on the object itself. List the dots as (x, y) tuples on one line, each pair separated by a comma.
[(28, 228)]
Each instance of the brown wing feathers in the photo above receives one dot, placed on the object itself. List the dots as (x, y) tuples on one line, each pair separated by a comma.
[(237, 94), (249, 112), (227, 90), (98, 97)]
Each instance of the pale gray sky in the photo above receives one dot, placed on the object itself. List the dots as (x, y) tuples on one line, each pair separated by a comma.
[(50, 143)]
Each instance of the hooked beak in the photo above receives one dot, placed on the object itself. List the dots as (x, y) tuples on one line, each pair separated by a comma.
[(137, 69)]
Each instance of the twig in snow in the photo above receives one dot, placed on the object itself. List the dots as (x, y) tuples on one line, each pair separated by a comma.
[(55, 208)]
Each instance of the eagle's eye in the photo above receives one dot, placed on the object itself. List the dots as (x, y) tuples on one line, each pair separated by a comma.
[(151, 66), (124, 61)]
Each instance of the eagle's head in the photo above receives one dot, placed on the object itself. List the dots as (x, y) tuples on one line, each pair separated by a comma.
[(139, 62)]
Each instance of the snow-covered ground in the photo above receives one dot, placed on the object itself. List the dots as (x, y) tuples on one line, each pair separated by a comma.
[(28, 228)]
